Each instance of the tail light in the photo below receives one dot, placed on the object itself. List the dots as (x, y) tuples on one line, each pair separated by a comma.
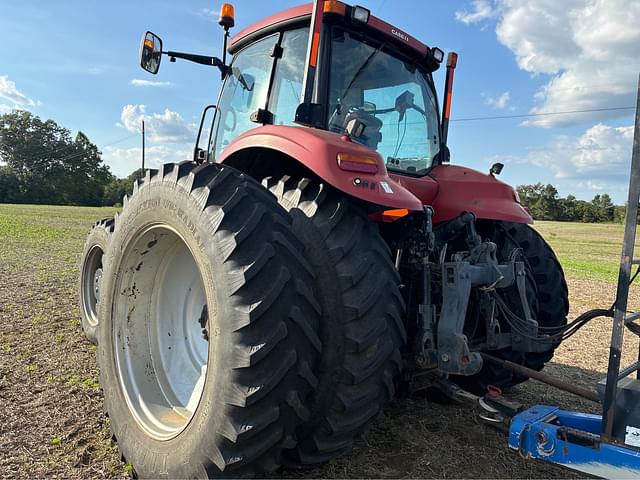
[(357, 163)]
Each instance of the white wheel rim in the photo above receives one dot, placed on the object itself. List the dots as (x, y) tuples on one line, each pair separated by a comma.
[(91, 277), (160, 350)]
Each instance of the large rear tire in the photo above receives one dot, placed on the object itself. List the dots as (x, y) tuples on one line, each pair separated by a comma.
[(91, 272), (207, 339), (361, 327), (547, 294)]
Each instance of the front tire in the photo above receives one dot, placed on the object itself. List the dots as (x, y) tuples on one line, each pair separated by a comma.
[(208, 335), (91, 272)]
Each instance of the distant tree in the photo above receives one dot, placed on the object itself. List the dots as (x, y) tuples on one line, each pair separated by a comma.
[(567, 208), (9, 186), (541, 199), (545, 204), (619, 213), (114, 191), (603, 207), (548, 203), (135, 175), (589, 212), (119, 187), (47, 165)]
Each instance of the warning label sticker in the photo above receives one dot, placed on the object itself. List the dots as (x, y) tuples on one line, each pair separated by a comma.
[(633, 436), (385, 186)]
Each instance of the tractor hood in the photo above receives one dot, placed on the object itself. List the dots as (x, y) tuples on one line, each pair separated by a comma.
[(464, 189)]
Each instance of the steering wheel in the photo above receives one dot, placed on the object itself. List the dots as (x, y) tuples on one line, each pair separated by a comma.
[(227, 128), (343, 114)]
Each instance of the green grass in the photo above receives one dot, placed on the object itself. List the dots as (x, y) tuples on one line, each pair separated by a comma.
[(585, 250), (55, 234), (19, 227), (46, 223)]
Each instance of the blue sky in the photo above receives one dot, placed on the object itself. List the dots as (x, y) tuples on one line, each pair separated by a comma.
[(77, 63)]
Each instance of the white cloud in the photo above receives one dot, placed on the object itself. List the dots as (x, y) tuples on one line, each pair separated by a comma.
[(482, 10), (123, 161), (498, 103), (166, 127), (592, 185), (17, 99), (207, 13), (589, 49), (601, 152), (96, 70), (210, 14), (136, 82)]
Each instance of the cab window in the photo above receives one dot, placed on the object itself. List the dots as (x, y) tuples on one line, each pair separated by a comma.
[(287, 84), (389, 95), (244, 92)]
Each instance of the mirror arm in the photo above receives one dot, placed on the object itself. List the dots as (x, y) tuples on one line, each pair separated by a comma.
[(201, 59)]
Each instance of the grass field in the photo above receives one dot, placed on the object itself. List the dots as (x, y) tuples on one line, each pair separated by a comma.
[(586, 250), (51, 421)]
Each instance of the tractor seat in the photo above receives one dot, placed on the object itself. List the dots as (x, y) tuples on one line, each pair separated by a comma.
[(371, 136)]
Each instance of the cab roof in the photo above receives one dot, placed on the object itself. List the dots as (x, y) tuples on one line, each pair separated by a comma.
[(301, 13)]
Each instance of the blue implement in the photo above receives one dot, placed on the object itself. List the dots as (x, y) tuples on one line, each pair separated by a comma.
[(573, 440)]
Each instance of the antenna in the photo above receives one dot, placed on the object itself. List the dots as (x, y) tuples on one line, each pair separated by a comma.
[(142, 170)]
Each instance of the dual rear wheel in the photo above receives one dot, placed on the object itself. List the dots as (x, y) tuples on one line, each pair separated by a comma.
[(234, 336)]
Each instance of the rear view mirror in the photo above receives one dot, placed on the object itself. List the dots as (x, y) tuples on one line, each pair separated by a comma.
[(150, 52)]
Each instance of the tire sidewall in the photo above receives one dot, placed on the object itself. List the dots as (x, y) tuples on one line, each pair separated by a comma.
[(189, 453), (98, 238)]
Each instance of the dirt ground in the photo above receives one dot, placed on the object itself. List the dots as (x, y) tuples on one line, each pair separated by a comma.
[(51, 421)]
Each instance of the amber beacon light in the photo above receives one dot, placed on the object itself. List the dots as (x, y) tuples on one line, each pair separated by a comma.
[(226, 16)]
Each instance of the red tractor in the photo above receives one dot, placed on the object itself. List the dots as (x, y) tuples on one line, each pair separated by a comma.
[(259, 305)]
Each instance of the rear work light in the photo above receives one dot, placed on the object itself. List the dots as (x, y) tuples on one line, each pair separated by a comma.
[(438, 55), (360, 14), (357, 163)]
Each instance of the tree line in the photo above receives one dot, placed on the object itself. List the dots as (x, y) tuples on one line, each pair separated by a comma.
[(40, 162), (544, 203)]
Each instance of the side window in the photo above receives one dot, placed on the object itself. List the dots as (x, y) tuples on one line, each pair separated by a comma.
[(244, 91), (287, 85)]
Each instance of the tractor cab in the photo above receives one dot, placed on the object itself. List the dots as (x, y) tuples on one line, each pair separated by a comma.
[(331, 90), (369, 83)]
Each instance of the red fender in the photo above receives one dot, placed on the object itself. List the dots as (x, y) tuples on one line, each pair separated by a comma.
[(464, 189), (317, 150)]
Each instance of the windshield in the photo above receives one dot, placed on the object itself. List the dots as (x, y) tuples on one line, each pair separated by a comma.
[(392, 99)]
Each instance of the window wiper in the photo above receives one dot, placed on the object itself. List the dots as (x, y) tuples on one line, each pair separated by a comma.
[(238, 74), (361, 69)]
